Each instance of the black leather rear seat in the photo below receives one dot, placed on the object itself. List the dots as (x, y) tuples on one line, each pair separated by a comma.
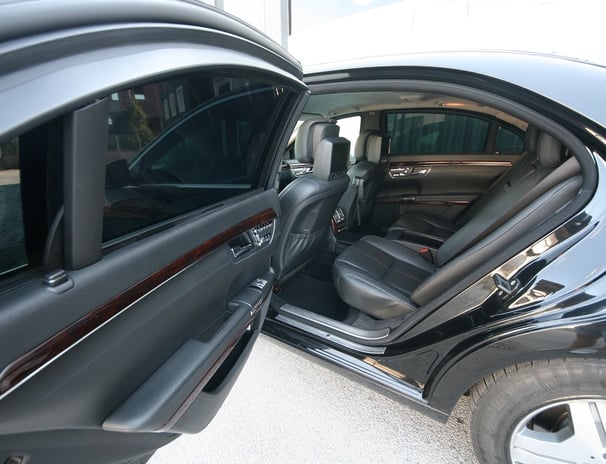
[(386, 279), (428, 228)]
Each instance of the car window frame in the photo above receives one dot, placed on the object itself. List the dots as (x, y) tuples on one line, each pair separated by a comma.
[(270, 138), (489, 143), (114, 65)]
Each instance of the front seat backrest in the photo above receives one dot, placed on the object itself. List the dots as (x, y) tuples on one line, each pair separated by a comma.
[(365, 177), (308, 202), (310, 134)]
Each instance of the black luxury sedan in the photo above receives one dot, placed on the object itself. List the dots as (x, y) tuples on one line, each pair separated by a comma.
[(171, 184)]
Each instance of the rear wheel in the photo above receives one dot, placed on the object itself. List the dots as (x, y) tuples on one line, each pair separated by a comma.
[(543, 412)]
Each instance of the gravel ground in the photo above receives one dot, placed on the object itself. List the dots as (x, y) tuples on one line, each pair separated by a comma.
[(285, 408)]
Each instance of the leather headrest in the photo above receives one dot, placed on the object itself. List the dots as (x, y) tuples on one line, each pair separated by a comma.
[(360, 147), (531, 136), (377, 146), (548, 151), (331, 158), (309, 136)]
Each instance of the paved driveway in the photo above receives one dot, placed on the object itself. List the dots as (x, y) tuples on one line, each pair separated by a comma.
[(285, 408)]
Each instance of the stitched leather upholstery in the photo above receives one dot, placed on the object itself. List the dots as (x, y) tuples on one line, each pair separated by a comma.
[(308, 202), (385, 279), (378, 276), (357, 202)]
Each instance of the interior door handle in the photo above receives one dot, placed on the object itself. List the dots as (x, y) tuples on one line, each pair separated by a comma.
[(241, 245), (395, 173)]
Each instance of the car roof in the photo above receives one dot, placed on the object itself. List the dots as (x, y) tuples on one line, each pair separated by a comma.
[(572, 83), (21, 19)]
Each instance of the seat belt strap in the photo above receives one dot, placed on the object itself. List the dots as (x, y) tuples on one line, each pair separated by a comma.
[(359, 183)]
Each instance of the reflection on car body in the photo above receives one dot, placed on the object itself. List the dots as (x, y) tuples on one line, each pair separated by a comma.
[(158, 214)]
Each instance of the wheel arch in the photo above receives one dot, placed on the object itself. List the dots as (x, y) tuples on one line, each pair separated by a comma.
[(447, 383)]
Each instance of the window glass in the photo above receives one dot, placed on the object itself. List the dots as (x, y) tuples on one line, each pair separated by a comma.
[(183, 144), (436, 133), (508, 141), (12, 238), (350, 129)]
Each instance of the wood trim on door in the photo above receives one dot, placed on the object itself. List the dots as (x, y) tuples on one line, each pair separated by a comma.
[(31, 362)]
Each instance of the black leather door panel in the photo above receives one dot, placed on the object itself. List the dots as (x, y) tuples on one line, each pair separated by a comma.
[(99, 349)]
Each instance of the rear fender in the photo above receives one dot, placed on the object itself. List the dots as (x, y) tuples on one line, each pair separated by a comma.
[(449, 382)]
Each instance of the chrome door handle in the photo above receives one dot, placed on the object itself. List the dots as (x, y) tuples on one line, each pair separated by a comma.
[(395, 173)]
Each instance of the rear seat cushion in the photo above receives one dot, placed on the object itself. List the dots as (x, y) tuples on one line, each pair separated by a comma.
[(423, 225), (378, 276), (386, 279)]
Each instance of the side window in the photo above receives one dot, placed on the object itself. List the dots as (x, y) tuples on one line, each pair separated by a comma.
[(350, 129), (31, 195), (508, 141), (184, 144), (12, 233), (436, 133)]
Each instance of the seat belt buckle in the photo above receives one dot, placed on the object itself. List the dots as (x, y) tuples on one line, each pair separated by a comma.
[(426, 254)]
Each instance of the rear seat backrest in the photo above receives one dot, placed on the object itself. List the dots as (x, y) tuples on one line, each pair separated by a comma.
[(513, 196), (519, 169), (564, 184), (427, 225)]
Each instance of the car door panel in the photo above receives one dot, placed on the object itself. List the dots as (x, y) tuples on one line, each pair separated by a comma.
[(88, 343), (147, 294), (436, 184)]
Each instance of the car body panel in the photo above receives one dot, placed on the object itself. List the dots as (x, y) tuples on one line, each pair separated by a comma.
[(475, 326), (135, 341), (26, 19), (553, 314), (121, 345), (525, 70)]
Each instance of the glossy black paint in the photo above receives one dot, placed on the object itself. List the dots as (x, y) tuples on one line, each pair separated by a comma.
[(436, 359), (59, 57), (559, 307), (440, 362), (571, 83)]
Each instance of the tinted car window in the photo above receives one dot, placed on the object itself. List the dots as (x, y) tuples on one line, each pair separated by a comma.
[(31, 195), (12, 237), (508, 141), (436, 133), (183, 144)]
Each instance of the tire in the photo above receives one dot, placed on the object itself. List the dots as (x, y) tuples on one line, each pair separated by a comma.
[(541, 412)]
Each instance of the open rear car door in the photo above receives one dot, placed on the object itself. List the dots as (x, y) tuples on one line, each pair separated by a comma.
[(138, 220)]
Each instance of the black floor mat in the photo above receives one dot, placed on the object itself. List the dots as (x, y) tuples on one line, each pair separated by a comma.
[(318, 296), (320, 268)]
